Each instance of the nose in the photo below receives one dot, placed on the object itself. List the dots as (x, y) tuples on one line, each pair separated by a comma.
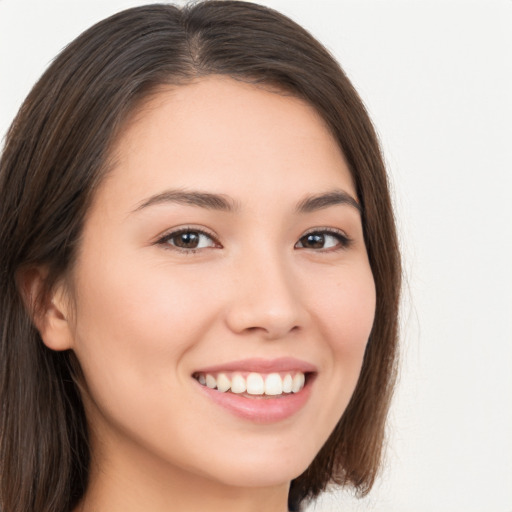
[(266, 298)]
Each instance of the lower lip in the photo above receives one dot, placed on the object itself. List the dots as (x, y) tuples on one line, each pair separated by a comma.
[(261, 409)]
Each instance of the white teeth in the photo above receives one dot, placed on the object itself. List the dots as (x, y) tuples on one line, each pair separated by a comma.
[(238, 384), (255, 384), (210, 381), (287, 384), (273, 384), (223, 383), (298, 382)]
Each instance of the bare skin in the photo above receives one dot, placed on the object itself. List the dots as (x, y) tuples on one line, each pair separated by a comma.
[(273, 267)]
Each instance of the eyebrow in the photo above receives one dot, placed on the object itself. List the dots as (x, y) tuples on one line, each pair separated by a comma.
[(193, 198), (223, 203), (332, 198)]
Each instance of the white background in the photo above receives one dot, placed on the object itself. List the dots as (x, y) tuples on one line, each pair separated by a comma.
[(437, 79)]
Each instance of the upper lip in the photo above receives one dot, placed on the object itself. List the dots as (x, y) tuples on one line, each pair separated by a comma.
[(261, 365)]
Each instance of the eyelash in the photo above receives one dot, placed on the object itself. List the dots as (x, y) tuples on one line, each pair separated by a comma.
[(343, 240), (164, 240)]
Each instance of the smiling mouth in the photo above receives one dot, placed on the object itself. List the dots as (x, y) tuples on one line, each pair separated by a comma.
[(254, 384)]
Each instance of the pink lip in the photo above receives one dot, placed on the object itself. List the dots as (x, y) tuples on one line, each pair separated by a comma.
[(261, 409), (282, 364)]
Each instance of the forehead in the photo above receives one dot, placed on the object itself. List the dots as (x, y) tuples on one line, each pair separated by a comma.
[(229, 137)]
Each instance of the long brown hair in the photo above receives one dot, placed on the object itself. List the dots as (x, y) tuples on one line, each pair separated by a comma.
[(55, 155)]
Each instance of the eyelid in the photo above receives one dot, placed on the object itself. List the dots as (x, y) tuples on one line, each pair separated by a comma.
[(170, 233), (344, 240)]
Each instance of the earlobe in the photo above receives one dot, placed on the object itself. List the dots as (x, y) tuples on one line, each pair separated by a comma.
[(50, 314)]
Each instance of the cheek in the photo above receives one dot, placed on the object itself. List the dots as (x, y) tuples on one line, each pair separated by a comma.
[(343, 307), (135, 326), (347, 310), (135, 323), (346, 314)]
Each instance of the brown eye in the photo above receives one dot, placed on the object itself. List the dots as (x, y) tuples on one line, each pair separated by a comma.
[(188, 239), (313, 241), (322, 240)]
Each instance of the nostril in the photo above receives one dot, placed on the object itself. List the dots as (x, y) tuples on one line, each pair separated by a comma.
[(272, 330)]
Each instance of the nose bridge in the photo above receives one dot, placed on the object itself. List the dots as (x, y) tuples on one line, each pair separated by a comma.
[(266, 297)]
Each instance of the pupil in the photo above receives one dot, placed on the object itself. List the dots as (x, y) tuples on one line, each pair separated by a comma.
[(315, 240), (188, 240)]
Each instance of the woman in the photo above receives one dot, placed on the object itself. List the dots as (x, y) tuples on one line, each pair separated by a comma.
[(200, 272)]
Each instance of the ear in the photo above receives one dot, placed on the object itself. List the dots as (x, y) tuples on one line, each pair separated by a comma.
[(50, 314)]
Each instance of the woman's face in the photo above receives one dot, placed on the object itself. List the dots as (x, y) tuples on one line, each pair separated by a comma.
[(224, 247)]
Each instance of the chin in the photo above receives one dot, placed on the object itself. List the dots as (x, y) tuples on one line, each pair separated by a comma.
[(273, 470)]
